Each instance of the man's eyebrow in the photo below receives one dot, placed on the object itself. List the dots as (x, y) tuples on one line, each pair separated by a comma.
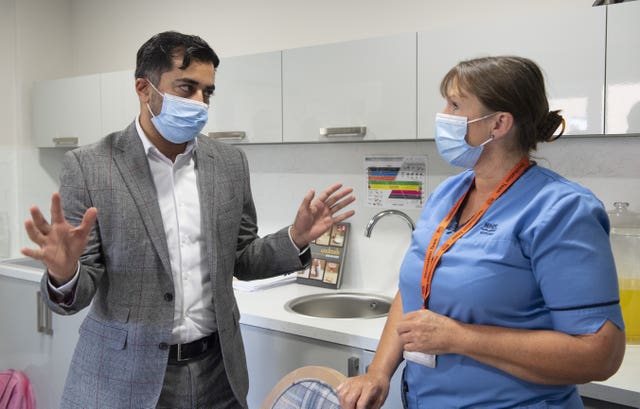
[(194, 82)]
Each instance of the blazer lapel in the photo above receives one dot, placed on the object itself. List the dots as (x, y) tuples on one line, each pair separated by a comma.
[(131, 160), (205, 170)]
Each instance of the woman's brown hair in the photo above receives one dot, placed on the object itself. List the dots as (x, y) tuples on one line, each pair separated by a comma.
[(509, 84)]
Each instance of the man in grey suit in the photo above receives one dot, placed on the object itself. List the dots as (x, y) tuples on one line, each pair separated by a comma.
[(150, 226)]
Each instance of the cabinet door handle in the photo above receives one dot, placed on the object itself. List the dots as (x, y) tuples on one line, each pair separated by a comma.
[(232, 135), (344, 131), (66, 141), (353, 366), (44, 318)]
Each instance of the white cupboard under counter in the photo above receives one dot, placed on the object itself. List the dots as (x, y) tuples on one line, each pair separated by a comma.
[(33, 339)]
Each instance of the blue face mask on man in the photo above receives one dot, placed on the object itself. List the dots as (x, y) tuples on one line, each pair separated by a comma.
[(451, 131), (181, 119)]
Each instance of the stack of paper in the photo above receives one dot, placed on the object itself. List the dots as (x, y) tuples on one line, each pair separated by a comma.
[(255, 285)]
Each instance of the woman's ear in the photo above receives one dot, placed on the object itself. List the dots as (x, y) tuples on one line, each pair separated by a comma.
[(503, 123)]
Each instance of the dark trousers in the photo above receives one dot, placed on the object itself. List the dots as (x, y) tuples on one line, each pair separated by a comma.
[(200, 383)]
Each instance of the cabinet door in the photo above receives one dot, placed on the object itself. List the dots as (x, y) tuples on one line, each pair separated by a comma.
[(66, 112), (273, 354), (44, 358), (247, 103), (365, 83), (623, 68), (566, 39), (21, 346), (119, 102)]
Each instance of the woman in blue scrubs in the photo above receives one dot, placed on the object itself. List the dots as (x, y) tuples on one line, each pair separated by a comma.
[(508, 295)]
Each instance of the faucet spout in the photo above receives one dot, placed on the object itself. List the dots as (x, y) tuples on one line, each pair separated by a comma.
[(388, 212)]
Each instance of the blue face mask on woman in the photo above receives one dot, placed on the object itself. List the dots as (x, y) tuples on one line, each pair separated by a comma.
[(181, 119), (451, 131)]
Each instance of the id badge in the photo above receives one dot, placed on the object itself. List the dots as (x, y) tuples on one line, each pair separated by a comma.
[(427, 360)]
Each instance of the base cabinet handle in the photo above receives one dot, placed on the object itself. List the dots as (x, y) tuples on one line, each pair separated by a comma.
[(353, 366), (44, 316)]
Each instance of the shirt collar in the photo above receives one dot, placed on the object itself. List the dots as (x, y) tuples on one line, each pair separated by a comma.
[(149, 147)]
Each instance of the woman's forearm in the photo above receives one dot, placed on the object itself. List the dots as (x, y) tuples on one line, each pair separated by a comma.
[(389, 352), (545, 357)]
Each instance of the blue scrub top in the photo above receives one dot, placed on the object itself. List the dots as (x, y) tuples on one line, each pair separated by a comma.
[(539, 258)]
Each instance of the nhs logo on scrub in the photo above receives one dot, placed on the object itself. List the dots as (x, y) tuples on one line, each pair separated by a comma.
[(488, 228)]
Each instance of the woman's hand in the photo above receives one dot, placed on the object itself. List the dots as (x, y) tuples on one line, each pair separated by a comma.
[(368, 391), (428, 332)]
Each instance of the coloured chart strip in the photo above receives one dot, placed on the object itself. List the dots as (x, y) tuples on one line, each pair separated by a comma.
[(395, 181)]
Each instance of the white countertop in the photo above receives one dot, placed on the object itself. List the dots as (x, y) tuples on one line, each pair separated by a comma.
[(22, 268), (266, 309)]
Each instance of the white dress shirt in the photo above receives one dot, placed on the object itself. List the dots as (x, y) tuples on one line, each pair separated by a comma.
[(179, 200)]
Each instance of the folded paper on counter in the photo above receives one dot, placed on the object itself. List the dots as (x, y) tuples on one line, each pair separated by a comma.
[(255, 285)]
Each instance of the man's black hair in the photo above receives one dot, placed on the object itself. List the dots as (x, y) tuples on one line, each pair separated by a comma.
[(157, 55)]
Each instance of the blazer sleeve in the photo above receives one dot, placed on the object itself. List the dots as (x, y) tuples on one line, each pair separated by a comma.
[(75, 202)]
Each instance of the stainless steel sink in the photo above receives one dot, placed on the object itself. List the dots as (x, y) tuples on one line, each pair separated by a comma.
[(341, 305)]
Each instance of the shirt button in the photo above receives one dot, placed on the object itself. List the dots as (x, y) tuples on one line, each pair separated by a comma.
[(168, 297), (163, 346)]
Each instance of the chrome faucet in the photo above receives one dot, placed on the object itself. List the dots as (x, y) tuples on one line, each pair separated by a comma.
[(388, 212)]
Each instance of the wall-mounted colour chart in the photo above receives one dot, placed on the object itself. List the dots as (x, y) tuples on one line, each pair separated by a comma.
[(396, 181)]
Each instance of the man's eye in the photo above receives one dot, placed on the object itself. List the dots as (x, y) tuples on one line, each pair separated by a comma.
[(185, 88)]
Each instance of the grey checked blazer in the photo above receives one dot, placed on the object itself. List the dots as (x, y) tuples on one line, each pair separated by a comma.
[(120, 358)]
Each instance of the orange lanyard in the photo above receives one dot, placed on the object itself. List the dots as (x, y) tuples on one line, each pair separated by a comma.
[(432, 257)]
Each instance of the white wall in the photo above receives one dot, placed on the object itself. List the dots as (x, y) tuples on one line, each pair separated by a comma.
[(8, 119), (38, 37), (108, 33), (89, 36)]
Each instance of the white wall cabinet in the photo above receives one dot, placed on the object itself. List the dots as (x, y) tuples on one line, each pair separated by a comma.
[(247, 103), (273, 354), (66, 112), (566, 39), (119, 103), (623, 68), (43, 358), (383, 84), (365, 83)]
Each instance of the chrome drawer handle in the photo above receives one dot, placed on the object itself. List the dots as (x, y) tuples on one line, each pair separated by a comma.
[(344, 131), (235, 135), (66, 141)]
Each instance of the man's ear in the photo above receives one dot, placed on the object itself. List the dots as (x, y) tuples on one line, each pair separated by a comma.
[(503, 123), (143, 89)]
